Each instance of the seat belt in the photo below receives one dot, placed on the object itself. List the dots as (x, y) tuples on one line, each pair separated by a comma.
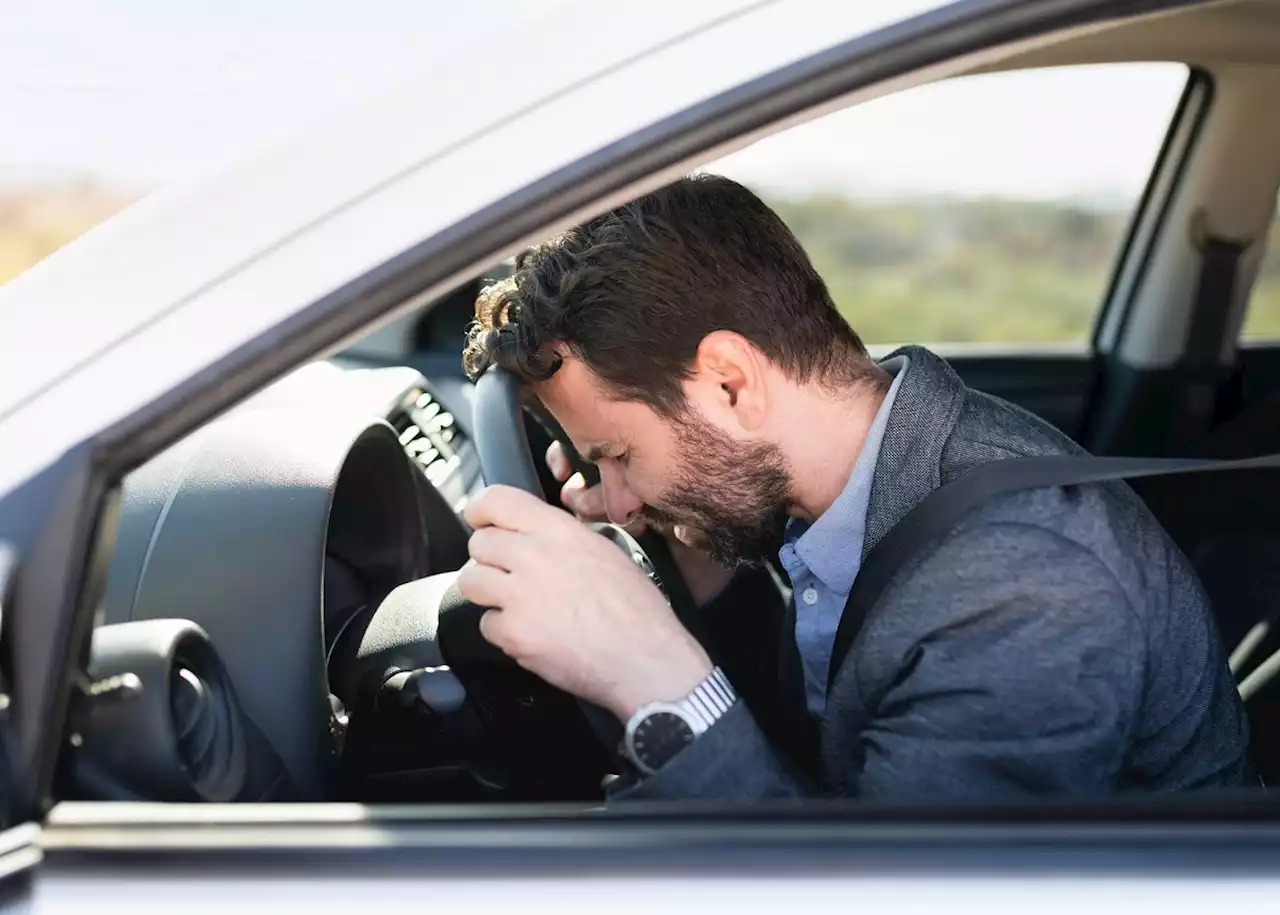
[(1202, 349), (943, 508)]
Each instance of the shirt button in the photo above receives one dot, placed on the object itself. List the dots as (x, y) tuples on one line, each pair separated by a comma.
[(810, 596)]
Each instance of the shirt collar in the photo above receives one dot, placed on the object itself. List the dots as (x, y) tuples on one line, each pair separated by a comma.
[(825, 545)]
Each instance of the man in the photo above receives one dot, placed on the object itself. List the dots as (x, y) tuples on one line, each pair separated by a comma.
[(1054, 642)]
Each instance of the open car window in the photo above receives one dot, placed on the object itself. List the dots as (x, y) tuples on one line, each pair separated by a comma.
[(986, 209)]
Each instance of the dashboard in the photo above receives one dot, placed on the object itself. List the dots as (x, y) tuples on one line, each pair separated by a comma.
[(281, 526)]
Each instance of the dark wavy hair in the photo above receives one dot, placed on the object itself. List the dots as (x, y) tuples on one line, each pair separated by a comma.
[(634, 291)]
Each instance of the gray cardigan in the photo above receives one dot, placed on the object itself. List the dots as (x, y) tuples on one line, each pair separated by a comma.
[(1055, 643)]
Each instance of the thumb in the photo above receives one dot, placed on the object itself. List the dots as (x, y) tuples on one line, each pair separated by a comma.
[(585, 502)]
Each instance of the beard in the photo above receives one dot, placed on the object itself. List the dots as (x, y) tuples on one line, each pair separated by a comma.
[(732, 495)]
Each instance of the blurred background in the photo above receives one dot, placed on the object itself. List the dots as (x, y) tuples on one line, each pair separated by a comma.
[(985, 210)]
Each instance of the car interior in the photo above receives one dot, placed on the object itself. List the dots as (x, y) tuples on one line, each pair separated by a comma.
[(279, 603)]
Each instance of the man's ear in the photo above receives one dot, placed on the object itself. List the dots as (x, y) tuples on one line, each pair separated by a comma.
[(731, 373)]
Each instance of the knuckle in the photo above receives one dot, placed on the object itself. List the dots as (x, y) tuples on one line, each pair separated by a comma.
[(492, 629), (481, 542), (477, 505), (513, 644), (499, 494), (572, 500), (466, 580), (506, 633)]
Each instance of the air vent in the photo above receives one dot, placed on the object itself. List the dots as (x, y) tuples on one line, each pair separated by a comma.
[(429, 435), (206, 725)]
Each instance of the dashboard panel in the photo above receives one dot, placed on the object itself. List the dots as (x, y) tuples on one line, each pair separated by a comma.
[(275, 525)]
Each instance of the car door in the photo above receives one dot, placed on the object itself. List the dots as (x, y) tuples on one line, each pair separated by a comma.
[(20, 851), (336, 856)]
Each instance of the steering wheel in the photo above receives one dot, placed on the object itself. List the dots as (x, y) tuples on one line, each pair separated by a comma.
[(502, 442), (577, 743)]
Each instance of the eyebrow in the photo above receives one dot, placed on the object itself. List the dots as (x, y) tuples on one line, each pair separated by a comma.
[(595, 453)]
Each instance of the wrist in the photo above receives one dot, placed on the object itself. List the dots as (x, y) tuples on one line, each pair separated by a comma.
[(681, 672), (660, 731)]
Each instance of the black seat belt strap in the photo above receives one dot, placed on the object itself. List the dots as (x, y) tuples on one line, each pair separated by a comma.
[(942, 509), (1201, 362)]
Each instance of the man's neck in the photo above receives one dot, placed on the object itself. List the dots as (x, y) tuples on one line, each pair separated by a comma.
[(825, 434)]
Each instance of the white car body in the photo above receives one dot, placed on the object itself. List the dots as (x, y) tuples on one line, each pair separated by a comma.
[(95, 339)]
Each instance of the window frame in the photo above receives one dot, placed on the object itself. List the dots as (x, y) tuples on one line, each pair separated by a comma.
[(70, 543)]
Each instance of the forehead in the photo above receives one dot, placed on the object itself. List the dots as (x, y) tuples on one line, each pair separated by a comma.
[(580, 403)]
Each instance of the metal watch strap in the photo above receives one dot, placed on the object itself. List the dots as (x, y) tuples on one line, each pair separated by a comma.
[(648, 750), (710, 699)]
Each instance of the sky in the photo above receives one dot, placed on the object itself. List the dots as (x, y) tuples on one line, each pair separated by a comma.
[(138, 93)]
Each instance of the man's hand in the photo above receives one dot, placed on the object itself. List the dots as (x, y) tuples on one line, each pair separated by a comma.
[(573, 608), (704, 577)]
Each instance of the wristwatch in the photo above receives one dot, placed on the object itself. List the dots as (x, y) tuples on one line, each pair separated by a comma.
[(660, 730)]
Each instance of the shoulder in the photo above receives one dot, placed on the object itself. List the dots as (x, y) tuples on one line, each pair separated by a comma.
[(990, 429), (1013, 624), (1005, 560), (1055, 571), (1107, 520)]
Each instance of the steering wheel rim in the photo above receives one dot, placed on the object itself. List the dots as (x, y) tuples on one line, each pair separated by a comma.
[(502, 444), (499, 433)]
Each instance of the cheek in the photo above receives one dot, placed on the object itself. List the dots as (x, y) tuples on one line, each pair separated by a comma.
[(657, 461), (641, 483), (652, 479)]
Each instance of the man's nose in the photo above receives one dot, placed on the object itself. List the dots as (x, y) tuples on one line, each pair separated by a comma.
[(620, 503)]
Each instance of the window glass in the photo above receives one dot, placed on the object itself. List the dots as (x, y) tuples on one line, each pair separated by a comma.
[(1262, 320), (985, 209)]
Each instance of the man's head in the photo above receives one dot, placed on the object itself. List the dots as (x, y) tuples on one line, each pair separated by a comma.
[(666, 337)]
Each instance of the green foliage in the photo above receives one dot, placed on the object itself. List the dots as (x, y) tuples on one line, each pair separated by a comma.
[(982, 270), (960, 270)]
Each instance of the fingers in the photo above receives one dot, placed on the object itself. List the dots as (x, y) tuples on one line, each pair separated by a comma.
[(558, 462), (484, 585), (491, 627), (513, 510), (502, 549), (636, 527), (584, 501), (501, 630), (687, 536)]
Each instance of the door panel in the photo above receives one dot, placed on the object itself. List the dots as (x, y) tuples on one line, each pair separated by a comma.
[(20, 854), (345, 858)]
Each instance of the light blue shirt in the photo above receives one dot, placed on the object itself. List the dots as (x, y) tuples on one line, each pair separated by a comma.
[(823, 557)]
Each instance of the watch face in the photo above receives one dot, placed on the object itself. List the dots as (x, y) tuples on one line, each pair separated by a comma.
[(658, 737)]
